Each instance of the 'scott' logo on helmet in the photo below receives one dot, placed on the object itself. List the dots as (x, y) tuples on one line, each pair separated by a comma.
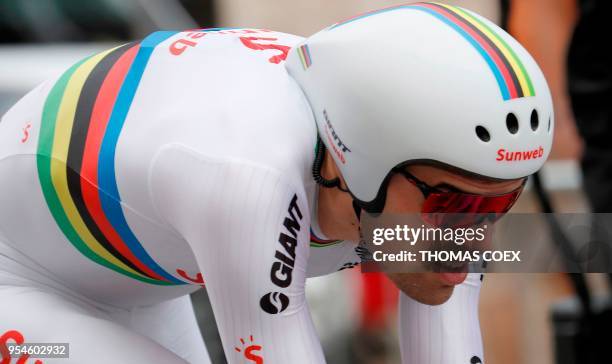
[(334, 140), (274, 302), (513, 156)]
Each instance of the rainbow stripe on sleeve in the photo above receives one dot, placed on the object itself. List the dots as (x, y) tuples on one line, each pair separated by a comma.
[(316, 242), (508, 70)]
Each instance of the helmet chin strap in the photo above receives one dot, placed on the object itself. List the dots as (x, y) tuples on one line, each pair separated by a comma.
[(357, 210), (318, 164)]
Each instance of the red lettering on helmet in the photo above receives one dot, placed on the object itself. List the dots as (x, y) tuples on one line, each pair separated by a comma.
[(514, 156), (336, 150)]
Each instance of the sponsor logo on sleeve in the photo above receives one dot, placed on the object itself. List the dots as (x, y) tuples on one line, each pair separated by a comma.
[(281, 271), (274, 302), (250, 352)]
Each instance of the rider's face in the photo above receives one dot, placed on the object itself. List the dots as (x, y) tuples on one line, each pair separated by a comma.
[(404, 197)]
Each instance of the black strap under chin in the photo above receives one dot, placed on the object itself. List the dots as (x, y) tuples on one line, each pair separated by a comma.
[(357, 210), (318, 164)]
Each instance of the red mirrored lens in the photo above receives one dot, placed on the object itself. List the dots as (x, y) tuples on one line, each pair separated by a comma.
[(466, 209)]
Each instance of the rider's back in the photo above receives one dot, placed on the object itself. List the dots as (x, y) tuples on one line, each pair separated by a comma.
[(90, 161)]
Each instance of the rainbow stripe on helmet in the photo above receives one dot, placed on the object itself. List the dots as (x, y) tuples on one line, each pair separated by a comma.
[(510, 73)]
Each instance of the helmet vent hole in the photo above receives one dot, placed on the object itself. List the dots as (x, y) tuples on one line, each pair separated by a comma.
[(549, 122), (534, 120), (512, 123), (483, 134)]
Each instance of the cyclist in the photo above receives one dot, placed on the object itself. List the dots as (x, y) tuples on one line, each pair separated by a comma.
[(186, 159)]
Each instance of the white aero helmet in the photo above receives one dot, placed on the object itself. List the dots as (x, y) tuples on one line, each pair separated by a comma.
[(424, 83)]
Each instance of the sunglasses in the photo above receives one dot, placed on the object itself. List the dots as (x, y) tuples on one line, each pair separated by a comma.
[(457, 208)]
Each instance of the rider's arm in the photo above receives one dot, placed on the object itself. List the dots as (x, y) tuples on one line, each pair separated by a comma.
[(248, 227), (444, 334)]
